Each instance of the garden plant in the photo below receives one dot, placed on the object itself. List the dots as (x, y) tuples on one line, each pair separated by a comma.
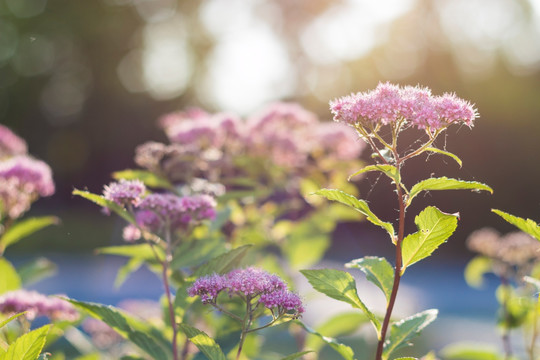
[(231, 211)]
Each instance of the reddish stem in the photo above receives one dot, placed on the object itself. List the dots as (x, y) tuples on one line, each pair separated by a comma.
[(397, 274)]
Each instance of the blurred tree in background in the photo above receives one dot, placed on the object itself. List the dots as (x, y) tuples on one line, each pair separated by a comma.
[(85, 81)]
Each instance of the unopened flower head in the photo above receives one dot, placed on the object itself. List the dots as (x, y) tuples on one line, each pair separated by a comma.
[(125, 192), (390, 103), (11, 144), (36, 304)]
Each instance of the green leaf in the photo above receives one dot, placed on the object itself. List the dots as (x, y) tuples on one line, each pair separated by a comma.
[(342, 324), (360, 205), (444, 183), (195, 252), (391, 171), (139, 251), (10, 319), (296, 355), (127, 269), (204, 343), (434, 228), (447, 153), (36, 270), (304, 251), (471, 351), (378, 270), (24, 228), (101, 201), (406, 358), (527, 225), (404, 330), (530, 280), (345, 351), (27, 346), (140, 333), (476, 269), (341, 286), (10, 279), (148, 178), (223, 263)]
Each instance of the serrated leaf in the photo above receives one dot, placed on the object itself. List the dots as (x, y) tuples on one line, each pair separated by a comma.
[(404, 330), (204, 343), (345, 351), (391, 171), (342, 324), (27, 346), (148, 178), (476, 269), (357, 204), (527, 225), (9, 280), (297, 355), (434, 228), (101, 201), (24, 228), (140, 333), (10, 319), (36, 270), (471, 351), (223, 263), (444, 183), (447, 153), (378, 270), (341, 286)]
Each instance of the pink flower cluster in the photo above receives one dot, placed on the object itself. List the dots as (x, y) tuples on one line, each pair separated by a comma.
[(389, 103), (157, 210), (36, 304), (125, 192), (249, 283), (22, 180), (214, 146), (11, 144)]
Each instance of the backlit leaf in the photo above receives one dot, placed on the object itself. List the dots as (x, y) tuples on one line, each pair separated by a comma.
[(434, 228), (101, 201), (444, 183), (447, 153), (204, 343), (527, 225), (345, 351), (24, 228), (27, 346), (391, 171), (359, 205), (404, 330), (339, 285), (378, 270), (476, 269), (148, 178)]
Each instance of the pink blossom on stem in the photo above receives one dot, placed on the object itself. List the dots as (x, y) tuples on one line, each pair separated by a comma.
[(389, 103), (125, 192)]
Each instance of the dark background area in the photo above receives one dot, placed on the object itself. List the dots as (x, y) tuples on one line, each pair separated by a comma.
[(85, 81)]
